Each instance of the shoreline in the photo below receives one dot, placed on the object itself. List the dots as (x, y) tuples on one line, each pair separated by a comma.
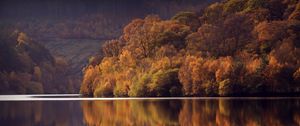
[(77, 97)]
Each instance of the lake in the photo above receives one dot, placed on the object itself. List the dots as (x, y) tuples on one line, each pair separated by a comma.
[(72, 110)]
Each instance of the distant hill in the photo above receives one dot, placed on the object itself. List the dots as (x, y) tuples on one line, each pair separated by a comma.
[(103, 19), (27, 67)]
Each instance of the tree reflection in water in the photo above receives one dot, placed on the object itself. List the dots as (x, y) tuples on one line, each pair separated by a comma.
[(217, 112), (128, 113), (188, 112), (40, 113)]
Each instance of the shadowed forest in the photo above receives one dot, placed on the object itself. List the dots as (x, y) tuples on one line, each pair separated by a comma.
[(231, 48), (28, 67), (208, 48)]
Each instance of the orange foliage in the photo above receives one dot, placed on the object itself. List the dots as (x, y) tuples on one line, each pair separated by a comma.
[(239, 48), (271, 31)]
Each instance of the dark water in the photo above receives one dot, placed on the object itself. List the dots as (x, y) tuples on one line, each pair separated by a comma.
[(152, 112)]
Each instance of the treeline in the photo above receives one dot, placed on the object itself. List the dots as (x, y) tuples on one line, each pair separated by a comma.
[(26, 67), (234, 47)]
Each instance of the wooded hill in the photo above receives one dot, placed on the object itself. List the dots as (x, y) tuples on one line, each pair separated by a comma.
[(232, 48)]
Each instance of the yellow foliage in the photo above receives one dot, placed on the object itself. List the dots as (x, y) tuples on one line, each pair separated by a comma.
[(22, 38), (108, 65), (126, 59), (239, 45), (225, 67), (296, 76), (253, 65), (161, 64), (37, 73)]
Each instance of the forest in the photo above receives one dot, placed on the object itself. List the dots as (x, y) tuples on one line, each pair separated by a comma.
[(53, 39), (230, 48), (27, 67)]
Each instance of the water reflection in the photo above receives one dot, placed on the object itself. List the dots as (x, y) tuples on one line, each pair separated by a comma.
[(131, 113), (189, 112), (40, 113), (192, 113), (240, 113)]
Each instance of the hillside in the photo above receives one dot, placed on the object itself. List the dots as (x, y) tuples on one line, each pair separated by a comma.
[(27, 67), (76, 52), (232, 48), (74, 31), (93, 19)]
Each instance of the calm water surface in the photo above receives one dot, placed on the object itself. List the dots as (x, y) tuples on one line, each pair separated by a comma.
[(74, 111)]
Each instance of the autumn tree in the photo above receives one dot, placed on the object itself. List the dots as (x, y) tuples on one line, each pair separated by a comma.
[(235, 47), (190, 19), (112, 48), (233, 6), (224, 39), (295, 15), (213, 14)]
